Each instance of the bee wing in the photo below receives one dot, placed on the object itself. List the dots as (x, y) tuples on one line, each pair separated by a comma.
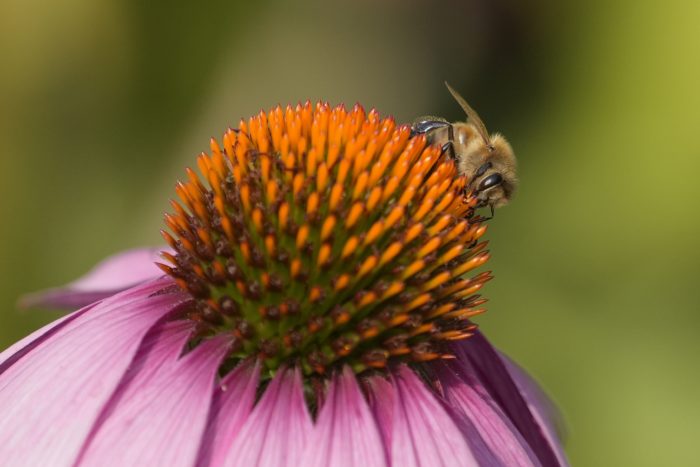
[(471, 115)]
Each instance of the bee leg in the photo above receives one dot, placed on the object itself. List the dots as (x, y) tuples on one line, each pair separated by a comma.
[(481, 204), (483, 219), (449, 148)]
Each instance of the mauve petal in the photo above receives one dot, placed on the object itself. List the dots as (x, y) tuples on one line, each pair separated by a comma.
[(423, 433), (277, 431), (493, 374), (51, 396), (541, 406), (491, 436), (158, 414), (17, 350), (345, 434), (380, 396), (233, 401), (112, 275)]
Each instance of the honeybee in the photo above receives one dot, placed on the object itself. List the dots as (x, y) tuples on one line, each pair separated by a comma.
[(487, 160)]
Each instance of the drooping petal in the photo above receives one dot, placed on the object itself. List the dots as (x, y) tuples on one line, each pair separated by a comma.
[(345, 434), (277, 431), (112, 275), (20, 348), (158, 414), (493, 374), (541, 406), (423, 434), (233, 401), (491, 436), (380, 395), (52, 395)]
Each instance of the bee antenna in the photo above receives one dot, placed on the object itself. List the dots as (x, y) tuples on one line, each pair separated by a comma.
[(472, 116)]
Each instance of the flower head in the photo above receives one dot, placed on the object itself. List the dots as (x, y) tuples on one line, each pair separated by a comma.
[(323, 237), (316, 310)]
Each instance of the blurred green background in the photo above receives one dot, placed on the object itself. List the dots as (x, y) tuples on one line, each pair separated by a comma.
[(102, 104)]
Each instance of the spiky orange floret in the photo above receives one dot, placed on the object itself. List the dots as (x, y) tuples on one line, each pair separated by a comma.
[(318, 236)]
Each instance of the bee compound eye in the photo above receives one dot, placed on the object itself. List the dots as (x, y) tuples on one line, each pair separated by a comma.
[(491, 181)]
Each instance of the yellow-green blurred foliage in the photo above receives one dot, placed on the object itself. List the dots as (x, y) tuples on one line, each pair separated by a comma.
[(102, 104)]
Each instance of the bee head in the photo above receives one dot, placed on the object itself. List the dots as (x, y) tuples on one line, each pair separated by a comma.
[(493, 168)]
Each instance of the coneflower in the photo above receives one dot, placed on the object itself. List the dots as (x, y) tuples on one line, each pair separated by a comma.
[(315, 311)]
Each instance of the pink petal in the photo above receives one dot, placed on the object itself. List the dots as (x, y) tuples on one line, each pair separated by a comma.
[(112, 275), (52, 395), (345, 434), (158, 414), (491, 436), (20, 348), (543, 409), (232, 403), (477, 351), (277, 431), (380, 394), (423, 433)]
